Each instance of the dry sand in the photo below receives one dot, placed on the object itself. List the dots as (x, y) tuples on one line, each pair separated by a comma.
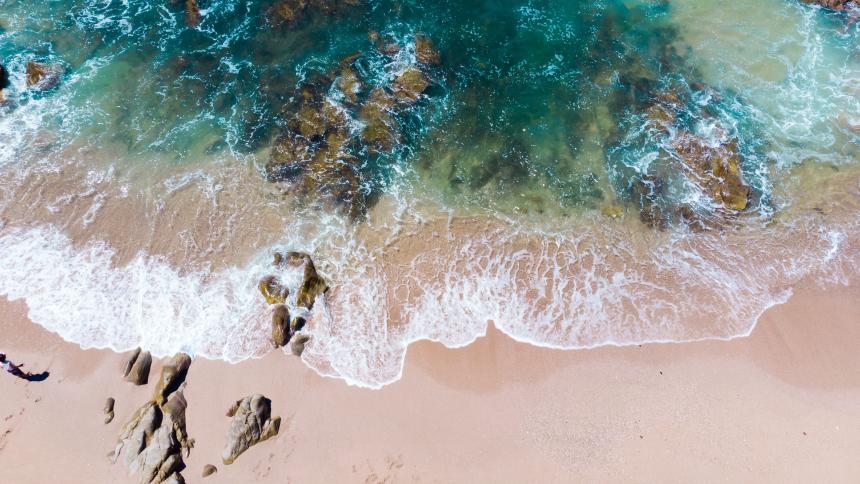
[(780, 406)]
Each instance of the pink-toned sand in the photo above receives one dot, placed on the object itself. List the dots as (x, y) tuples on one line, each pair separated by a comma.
[(780, 406)]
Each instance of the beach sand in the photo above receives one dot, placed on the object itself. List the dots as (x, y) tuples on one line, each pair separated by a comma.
[(778, 406)]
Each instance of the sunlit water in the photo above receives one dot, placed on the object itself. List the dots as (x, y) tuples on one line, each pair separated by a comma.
[(136, 210)]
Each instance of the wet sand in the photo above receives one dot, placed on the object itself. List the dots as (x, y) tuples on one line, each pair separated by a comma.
[(778, 406)]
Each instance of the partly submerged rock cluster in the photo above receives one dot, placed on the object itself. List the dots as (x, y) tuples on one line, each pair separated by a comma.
[(284, 327), (710, 166), (154, 440), (339, 121), (833, 4)]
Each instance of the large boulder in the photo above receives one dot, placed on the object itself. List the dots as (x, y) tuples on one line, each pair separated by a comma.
[(252, 423), (280, 326), (43, 77), (409, 85), (136, 367), (173, 375)]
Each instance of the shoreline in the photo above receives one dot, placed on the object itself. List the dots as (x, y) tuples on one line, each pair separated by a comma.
[(735, 410)]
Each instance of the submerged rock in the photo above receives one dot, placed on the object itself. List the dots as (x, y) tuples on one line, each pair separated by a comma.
[(425, 53), (136, 368), (43, 77), (252, 423), (716, 169), (280, 326), (192, 13), (273, 291), (409, 85)]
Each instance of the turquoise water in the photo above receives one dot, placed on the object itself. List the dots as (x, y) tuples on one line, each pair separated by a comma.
[(581, 173), (532, 100)]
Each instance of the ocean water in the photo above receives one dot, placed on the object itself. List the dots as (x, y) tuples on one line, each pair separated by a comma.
[(576, 173)]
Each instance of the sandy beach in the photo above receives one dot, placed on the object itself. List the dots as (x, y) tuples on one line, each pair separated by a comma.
[(778, 406)]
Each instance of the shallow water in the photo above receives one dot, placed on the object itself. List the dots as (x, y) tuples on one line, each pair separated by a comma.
[(531, 184)]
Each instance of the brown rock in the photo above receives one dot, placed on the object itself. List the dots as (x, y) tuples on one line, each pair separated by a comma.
[(409, 85), (43, 77), (380, 132), (297, 345), (425, 53), (297, 324), (208, 470), (252, 423), (192, 13), (715, 169), (137, 367), (349, 84), (312, 286), (273, 291), (280, 326), (172, 376)]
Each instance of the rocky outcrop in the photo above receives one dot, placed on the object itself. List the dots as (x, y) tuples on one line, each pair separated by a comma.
[(43, 77), (252, 423), (153, 442), (136, 367), (280, 326), (208, 470), (108, 410), (338, 121)]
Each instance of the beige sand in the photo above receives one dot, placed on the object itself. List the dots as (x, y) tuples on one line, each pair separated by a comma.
[(779, 406)]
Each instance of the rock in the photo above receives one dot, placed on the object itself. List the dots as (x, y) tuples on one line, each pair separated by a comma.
[(251, 424), (349, 84), (716, 169), (290, 156), (136, 368), (4, 78), (425, 53), (280, 326), (273, 291), (192, 13), (297, 346), (172, 376), (43, 77), (155, 438), (380, 132), (312, 286), (409, 85), (297, 324), (285, 13), (108, 410), (277, 259), (208, 470), (129, 362), (832, 4)]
